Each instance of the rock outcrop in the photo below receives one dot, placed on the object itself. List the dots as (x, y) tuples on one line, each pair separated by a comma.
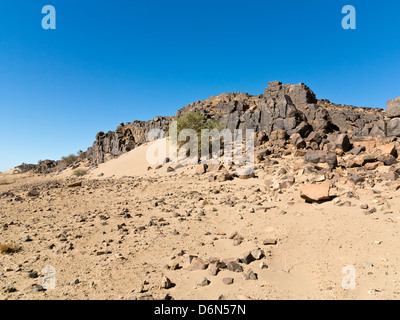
[(291, 110), (125, 138), (42, 167)]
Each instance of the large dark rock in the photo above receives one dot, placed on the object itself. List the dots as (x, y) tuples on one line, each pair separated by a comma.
[(124, 139), (297, 141), (45, 166), (393, 108), (300, 94), (26, 167), (319, 156), (393, 128), (342, 142)]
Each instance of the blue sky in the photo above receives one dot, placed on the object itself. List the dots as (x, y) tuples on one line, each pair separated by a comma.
[(117, 61)]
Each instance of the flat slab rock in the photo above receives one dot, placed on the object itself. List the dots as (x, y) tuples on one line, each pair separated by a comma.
[(75, 184), (316, 192)]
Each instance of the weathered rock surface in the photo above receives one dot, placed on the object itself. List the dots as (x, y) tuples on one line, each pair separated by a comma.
[(393, 108), (393, 128), (290, 110), (125, 138), (320, 156), (42, 167), (317, 192)]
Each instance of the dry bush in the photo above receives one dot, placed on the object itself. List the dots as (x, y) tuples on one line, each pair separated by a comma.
[(67, 161), (8, 248)]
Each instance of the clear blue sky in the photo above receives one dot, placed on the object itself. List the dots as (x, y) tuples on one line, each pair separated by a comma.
[(117, 61)]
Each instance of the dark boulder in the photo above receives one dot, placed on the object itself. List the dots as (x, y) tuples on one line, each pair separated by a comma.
[(320, 156), (393, 108)]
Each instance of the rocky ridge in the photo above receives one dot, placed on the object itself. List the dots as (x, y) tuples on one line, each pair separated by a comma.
[(284, 111)]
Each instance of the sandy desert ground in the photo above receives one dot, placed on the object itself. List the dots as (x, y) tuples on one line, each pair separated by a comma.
[(126, 228)]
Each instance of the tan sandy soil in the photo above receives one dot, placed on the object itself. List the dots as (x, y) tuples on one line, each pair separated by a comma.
[(118, 233)]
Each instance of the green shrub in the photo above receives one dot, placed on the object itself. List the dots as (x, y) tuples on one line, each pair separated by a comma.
[(197, 122), (79, 173), (67, 161)]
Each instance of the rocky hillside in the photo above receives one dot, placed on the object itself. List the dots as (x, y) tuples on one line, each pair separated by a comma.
[(283, 111)]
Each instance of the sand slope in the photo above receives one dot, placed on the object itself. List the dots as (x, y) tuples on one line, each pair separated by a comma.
[(119, 237), (133, 163)]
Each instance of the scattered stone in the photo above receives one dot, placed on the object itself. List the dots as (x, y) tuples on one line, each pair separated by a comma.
[(342, 142), (234, 234), (202, 282), (269, 242), (371, 165), (286, 182), (213, 270), (247, 258), (389, 149), (75, 184), (36, 288), (165, 283), (26, 239), (33, 274), (186, 258), (281, 171), (368, 159), (298, 141), (356, 179), (234, 266), (9, 289), (214, 167), (390, 176), (393, 128), (257, 254), (249, 275), (224, 177), (227, 281), (320, 156), (33, 193), (238, 241), (201, 169), (357, 150), (146, 297), (387, 159), (198, 264), (370, 211)]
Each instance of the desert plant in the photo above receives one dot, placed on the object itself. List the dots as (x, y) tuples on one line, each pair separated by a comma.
[(67, 161), (8, 248), (196, 121), (79, 173)]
